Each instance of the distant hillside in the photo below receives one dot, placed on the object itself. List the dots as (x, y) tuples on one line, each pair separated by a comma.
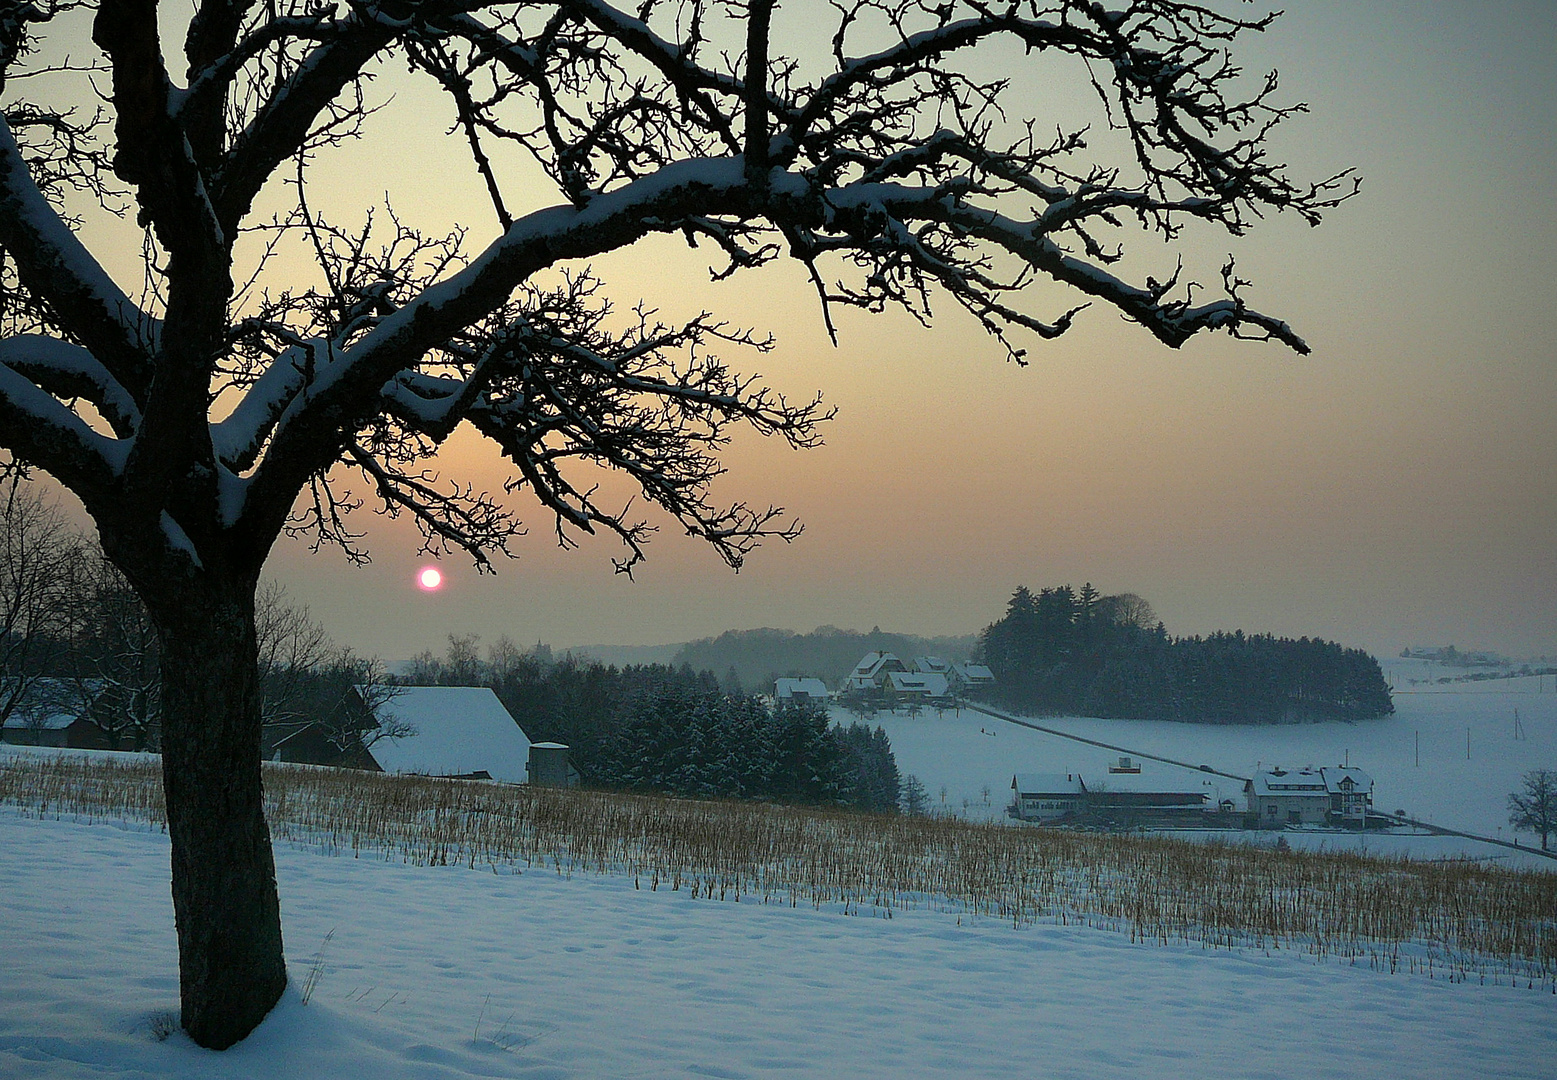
[(827, 653)]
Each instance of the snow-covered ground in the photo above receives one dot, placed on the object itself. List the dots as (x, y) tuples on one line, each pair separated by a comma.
[(967, 752), (448, 972)]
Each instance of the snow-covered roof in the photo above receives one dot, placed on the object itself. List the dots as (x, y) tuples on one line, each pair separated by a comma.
[(931, 663), (915, 682), (49, 721), (974, 673), (459, 730), (792, 688), (873, 662), (1028, 785), (1282, 782), (1334, 775)]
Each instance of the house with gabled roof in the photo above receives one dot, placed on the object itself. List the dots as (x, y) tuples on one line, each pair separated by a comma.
[(971, 676), (1280, 797), (52, 712), (924, 686), (1047, 796), (451, 731), (872, 671), (1351, 794), (794, 690)]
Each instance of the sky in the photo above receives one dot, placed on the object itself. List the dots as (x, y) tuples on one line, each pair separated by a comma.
[(1394, 488)]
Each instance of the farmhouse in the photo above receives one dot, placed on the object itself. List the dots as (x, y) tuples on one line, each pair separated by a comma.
[(972, 675), (872, 671), (457, 731), (1351, 794), (1046, 796), (925, 686), (1278, 797)]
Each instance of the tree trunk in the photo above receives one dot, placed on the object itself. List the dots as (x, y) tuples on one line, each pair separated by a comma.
[(231, 968)]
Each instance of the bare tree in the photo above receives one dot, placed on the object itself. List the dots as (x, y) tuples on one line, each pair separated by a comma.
[(1534, 806), (115, 656), (292, 646), (1127, 609), (40, 557), (200, 419)]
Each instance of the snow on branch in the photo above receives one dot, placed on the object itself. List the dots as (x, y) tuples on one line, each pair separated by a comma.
[(901, 167)]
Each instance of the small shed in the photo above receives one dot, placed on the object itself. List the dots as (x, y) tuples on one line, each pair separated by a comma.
[(549, 766), (459, 731)]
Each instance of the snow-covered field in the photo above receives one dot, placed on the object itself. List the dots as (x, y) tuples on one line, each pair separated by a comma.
[(967, 752), (449, 972)]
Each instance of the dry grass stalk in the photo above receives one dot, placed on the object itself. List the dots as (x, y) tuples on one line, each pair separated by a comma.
[(1460, 920)]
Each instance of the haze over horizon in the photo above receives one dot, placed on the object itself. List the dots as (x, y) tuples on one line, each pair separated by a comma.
[(1392, 489)]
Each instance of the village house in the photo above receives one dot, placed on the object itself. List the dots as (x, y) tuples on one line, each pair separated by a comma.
[(1046, 797), (1351, 794), (929, 678), (56, 729), (923, 686), (971, 676), (452, 731), (796, 690), (872, 671), (1309, 796)]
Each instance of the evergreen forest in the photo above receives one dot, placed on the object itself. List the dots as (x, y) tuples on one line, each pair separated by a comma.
[(670, 729), (1077, 652)]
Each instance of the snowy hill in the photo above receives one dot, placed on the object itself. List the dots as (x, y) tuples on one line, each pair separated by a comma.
[(448, 972)]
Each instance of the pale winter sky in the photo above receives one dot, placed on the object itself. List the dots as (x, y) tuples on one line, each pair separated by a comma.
[(1394, 488)]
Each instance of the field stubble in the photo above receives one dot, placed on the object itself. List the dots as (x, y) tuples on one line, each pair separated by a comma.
[(1458, 920)]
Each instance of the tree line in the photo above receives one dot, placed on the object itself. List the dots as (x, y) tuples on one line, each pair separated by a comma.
[(1064, 650), (668, 728), (76, 639)]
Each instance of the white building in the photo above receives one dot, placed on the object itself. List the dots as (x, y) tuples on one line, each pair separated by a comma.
[(915, 684), (461, 731), (1046, 796), (972, 675), (1309, 796), (872, 671), (1351, 794)]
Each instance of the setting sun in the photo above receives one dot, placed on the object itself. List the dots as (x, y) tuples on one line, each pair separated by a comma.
[(430, 579)]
